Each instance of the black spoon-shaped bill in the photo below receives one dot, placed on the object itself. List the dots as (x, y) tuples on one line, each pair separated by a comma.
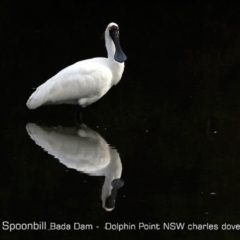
[(119, 54), (110, 201)]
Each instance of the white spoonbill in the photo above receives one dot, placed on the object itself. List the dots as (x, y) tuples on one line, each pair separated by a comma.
[(86, 81), (84, 150)]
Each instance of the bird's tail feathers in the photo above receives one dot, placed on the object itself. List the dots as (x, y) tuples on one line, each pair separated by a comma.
[(36, 99)]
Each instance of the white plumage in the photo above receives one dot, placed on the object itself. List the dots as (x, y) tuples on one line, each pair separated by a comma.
[(86, 81), (81, 149)]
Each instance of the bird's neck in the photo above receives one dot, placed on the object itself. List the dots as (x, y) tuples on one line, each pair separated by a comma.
[(115, 66), (110, 48)]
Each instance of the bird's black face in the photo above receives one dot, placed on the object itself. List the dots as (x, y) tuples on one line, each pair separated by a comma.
[(119, 54)]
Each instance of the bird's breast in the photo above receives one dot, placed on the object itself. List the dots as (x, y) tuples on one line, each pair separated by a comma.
[(117, 71)]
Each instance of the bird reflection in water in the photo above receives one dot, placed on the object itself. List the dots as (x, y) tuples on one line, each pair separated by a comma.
[(84, 150)]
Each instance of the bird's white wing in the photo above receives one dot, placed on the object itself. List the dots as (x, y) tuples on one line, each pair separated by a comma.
[(87, 79), (86, 154)]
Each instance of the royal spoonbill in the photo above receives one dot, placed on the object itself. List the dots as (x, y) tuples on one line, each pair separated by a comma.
[(86, 81), (84, 150)]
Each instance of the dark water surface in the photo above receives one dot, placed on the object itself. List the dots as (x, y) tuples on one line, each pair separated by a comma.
[(170, 128)]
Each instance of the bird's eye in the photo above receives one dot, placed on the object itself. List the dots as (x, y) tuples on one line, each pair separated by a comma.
[(118, 28), (110, 29)]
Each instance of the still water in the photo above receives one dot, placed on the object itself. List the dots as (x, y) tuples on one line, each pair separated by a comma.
[(83, 150), (160, 150)]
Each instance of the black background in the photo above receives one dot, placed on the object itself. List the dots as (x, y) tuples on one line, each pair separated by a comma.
[(174, 116)]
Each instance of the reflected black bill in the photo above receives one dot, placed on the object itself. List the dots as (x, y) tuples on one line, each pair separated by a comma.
[(110, 201)]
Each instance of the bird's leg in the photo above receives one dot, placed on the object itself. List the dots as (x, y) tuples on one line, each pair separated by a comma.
[(78, 115)]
